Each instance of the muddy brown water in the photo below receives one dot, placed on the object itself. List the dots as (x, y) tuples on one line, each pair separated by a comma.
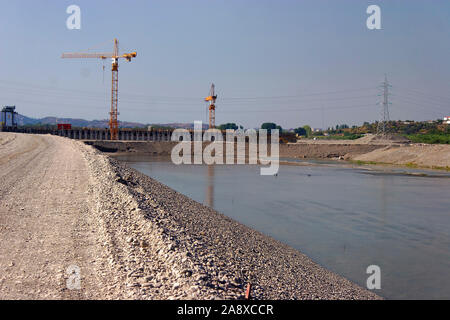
[(345, 219)]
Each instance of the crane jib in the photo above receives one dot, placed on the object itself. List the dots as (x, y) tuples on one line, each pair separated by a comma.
[(113, 122)]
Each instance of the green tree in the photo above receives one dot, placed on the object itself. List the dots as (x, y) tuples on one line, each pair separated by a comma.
[(269, 126), (226, 126), (308, 130), (301, 131)]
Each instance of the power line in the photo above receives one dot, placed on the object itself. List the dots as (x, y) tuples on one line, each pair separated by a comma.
[(74, 91), (427, 95), (145, 108), (303, 109), (297, 96), (289, 103), (420, 104), (51, 94)]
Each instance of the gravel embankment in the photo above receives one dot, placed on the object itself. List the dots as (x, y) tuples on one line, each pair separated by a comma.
[(171, 247)]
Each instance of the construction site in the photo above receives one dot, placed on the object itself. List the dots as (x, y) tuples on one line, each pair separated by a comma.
[(245, 152), (114, 133), (125, 140)]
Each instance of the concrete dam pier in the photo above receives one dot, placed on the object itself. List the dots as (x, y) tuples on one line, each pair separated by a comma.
[(124, 134)]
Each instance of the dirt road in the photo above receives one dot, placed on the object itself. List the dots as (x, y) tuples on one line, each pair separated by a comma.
[(44, 226)]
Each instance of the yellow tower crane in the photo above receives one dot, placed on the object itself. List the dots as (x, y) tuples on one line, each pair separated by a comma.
[(212, 107), (114, 56)]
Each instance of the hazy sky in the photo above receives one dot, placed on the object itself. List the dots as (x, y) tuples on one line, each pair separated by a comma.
[(290, 62)]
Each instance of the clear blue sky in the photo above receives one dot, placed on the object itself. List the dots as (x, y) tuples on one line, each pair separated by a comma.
[(290, 62)]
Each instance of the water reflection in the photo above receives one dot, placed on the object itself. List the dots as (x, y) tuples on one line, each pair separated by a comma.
[(209, 196), (383, 199)]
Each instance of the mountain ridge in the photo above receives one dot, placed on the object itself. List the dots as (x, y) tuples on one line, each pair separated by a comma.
[(23, 120)]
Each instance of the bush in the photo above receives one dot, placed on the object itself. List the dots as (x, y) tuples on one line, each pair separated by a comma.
[(442, 138), (226, 126)]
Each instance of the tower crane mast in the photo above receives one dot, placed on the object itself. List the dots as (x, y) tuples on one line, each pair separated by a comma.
[(212, 106), (114, 56)]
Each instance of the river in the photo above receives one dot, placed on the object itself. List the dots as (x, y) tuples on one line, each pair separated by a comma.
[(343, 218)]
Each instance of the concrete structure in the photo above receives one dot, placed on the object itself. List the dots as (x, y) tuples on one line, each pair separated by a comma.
[(94, 134), (447, 120), (100, 134)]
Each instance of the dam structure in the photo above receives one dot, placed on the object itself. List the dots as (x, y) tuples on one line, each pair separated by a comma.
[(134, 140), (100, 134), (124, 134)]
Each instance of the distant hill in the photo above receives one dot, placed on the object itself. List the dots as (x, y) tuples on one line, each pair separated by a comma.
[(26, 121), (180, 125)]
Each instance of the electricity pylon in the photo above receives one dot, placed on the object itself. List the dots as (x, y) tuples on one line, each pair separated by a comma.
[(382, 128)]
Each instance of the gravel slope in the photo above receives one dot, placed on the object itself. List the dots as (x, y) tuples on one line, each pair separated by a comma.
[(132, 237)]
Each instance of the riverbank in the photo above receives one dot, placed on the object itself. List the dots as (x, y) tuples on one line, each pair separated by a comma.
[(424, 156), (133, 237), (364, 151), (292, 150), (392, 150)]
